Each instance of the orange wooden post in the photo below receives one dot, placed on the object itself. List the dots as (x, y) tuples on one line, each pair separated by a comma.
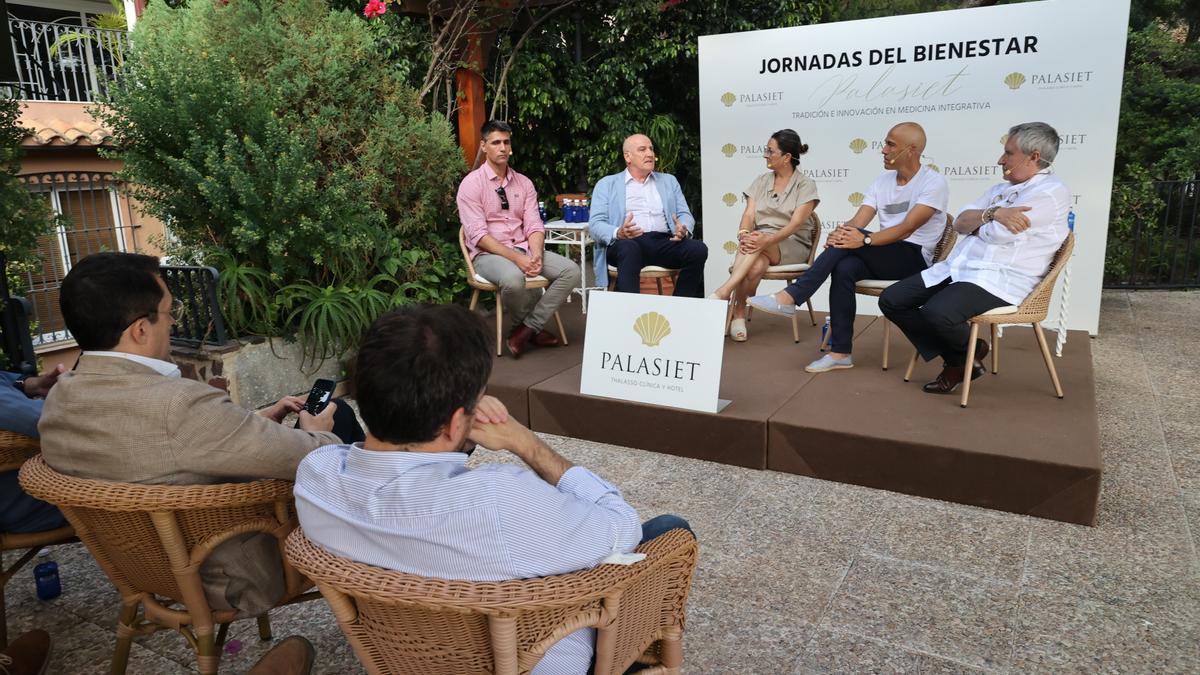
[(471, 103)]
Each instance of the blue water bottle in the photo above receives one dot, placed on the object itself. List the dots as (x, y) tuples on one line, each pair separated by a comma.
[(824, 332), (566, 209), (1071, 219), (586, 211), (45, 575), (542, 211)]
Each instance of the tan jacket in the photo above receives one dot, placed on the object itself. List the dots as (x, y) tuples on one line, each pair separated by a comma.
[(114, 419)]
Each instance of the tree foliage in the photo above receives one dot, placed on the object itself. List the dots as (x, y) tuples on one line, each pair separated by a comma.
[(23, 215), (277, 147)]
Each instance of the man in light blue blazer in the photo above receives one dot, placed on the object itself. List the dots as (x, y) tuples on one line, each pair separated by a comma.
[(638, 218)]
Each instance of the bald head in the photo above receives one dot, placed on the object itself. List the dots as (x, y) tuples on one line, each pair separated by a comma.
[(639, 155), (909, 133)]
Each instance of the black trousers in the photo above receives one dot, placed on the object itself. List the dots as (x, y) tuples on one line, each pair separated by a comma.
[(848, 266), (935, 319), (345, 423), (629, 256)]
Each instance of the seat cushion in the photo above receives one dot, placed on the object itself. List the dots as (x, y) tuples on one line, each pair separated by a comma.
[(1007, 309), (480, 279), (875, 283), (780, 269), (648, 268)]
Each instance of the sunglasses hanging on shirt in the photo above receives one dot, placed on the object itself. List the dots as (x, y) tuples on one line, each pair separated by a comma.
[(503, 198)]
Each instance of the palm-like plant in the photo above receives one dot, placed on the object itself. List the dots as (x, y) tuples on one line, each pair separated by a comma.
[(108, 41)]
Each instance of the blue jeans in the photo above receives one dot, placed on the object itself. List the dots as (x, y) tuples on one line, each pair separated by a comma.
[(660, 525)]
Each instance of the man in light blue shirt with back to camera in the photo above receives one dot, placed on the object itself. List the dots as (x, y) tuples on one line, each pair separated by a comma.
[(405, 500)]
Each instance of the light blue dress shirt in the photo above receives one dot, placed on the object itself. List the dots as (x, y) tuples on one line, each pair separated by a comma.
[(428, 514)]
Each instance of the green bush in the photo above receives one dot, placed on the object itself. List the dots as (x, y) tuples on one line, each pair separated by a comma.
[(23, 216), (276, 146)]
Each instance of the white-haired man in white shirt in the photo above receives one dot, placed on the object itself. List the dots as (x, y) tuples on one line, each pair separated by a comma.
[(1013, 231)]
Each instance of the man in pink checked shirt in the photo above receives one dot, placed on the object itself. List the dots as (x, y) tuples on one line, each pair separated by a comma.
[(505, 237)]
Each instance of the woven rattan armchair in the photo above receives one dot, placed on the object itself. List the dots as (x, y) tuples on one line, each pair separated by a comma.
[(14, 450), (876, 287), (478, 284), (1032, 310), (152, 539), (788, 273), (648, 272), (401, 623)]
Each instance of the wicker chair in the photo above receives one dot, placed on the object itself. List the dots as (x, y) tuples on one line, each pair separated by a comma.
[(152, 539), (648, 272), (876, 287), (1032, 311), (788, 273), (14, 450), (478, 283), (401, 623)]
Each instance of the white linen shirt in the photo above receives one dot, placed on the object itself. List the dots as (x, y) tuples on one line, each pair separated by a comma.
[(644, 202), (164, 368), (1004, 264), (426, 513)]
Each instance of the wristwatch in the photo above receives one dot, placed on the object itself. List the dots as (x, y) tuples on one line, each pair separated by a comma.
[(19, 384), (866, 236)]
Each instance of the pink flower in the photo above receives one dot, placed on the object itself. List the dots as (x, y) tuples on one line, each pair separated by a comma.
[(375, 8)]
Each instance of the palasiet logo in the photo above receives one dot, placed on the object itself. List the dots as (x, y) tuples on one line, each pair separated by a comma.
[(934, 167), (652, 327), (858, 145), (729, 198), (728, 99), (730, 247), (1003, 139), (1014, 80), (729, 149), (856, 199)]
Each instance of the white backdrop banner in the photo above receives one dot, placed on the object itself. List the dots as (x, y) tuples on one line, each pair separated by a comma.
[(965, 75)]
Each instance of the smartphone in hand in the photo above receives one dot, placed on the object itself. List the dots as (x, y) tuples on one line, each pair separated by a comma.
[(318, 397)]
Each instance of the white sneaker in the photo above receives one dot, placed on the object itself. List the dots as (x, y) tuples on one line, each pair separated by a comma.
[(827, 363), (770, 305)]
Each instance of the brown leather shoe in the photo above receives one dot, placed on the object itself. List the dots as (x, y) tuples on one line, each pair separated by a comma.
[(946, 382), (27, 655), (546, 339), (981, 351), (292, 656), (518, 340)]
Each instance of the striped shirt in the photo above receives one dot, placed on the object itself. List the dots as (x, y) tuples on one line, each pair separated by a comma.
[(428, 514)]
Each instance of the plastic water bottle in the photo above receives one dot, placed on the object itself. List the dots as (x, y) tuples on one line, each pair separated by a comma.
[(568, 211), (573, 208), (586, 213), (542, 211), (824, 332), (45, 575), (1071, 219)]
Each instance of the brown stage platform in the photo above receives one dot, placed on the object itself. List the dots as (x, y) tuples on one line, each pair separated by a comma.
[(1016, 448)]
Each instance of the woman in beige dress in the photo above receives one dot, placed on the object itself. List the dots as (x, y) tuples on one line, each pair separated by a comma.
[(775, 227)]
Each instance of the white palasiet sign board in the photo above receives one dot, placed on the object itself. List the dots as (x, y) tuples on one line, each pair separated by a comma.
[(654, 349), (966, 76)]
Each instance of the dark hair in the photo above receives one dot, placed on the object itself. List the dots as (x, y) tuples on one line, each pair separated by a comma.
[(418, 364), (104, 293), (789, 142), (493, 125)]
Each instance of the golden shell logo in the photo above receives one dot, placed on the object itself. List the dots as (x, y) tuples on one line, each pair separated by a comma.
[(934, 167), (652, 327), (856, 199), (730, 247), (728, 149), (728, 99), (1014, 80), (858, 145), (729, 198), (1004, 139)]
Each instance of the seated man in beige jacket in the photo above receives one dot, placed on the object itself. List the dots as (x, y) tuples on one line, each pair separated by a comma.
[(124, 414)]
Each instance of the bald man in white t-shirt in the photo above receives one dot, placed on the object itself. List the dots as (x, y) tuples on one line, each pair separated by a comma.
[(911, 201)]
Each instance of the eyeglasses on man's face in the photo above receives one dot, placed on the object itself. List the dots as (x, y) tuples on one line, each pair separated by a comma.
[(503, 198), (175, 314)]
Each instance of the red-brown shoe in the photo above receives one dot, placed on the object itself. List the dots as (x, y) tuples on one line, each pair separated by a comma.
[(946, 382), (546, 339), (27, 655), (518, 340)]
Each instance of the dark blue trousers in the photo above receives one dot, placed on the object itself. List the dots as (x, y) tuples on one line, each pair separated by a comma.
[(629, 256), (934, 319), (848, 266)]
